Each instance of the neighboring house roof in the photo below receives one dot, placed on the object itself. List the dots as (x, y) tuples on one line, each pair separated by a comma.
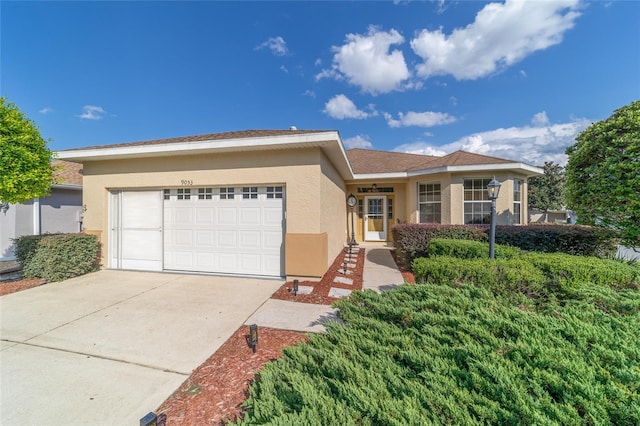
[(67, 173), (353, 164)]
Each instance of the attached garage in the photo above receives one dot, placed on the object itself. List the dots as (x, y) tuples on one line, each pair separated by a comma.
[(224, 229)]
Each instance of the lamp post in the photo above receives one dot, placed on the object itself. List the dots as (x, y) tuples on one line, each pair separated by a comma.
[(351, 202), (493, 188)]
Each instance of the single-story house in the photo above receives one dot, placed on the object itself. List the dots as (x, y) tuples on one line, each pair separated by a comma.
[(60, 211), (273, 202)]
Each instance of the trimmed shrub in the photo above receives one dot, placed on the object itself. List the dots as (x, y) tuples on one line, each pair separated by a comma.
[(500, 275), (570, 239), (411, 240), (534, 274), (26, 247), (434, 354), (464, 249), (571, 271), (62, 256)]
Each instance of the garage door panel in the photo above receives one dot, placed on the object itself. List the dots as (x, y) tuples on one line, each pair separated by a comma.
[(226, 235), (249, 216), (205, 216), (183, 216), (227, 216), (272, 216), (183, 238), (205, 239), (249, 240), (227, 239), (135, 244), (250, 263)]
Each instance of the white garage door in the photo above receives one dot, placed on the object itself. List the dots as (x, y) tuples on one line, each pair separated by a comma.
[(234, 230)]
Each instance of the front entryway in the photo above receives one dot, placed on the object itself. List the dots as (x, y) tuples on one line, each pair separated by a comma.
[(375, 223)]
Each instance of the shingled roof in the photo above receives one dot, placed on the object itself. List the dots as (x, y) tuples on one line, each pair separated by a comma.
[(243, 134), (365, 161), (67, 173)]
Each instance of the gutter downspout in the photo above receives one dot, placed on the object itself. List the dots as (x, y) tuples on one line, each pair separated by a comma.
[(36, 216)]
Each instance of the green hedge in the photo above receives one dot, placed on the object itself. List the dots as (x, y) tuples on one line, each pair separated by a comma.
[(464, 249), (57, 257), (412, 240), (435, 354), (570, 239), (532, 273)]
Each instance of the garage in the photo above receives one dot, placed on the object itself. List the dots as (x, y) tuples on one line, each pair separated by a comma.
[(227, 230)]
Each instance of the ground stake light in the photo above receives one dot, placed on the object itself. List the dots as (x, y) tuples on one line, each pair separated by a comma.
[(493, 189), (253, 336), (296, 283)]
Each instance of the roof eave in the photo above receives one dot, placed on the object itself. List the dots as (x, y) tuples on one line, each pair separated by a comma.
[(329, 142), (523, 168)]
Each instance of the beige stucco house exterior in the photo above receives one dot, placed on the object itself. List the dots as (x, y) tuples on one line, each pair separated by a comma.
[(273, 202)]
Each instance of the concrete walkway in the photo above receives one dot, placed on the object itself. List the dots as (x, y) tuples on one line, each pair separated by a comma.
[(380, 270), (380, 274)]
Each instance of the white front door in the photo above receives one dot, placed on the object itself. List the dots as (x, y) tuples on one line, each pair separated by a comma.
[(136, 230), (375, 218)]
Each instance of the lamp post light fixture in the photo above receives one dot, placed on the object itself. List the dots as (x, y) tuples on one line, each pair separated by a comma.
[(493, 188), (253, 336), (351, 202)]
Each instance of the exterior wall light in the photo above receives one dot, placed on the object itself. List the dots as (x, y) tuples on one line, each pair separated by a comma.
[(493, 189)]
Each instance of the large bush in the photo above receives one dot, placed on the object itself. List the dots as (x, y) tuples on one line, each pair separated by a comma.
[(412, 240), (532, 273), (57, 257), (436, 354), (465, 249), (570, 239)]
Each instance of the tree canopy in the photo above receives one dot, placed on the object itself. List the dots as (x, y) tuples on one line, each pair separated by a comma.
[(25, 159), (547, 192), (603, 174)]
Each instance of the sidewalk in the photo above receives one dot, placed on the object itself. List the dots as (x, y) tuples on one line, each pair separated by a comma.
[(380, 274)]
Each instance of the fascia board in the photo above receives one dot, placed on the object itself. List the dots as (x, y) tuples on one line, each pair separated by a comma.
[(67, 186), (196, 146), (522, 167), (366, 176)]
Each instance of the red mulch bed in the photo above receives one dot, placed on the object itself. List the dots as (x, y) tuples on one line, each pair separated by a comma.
[(8, 287), (215, 391), (404, 269), (320, 293)]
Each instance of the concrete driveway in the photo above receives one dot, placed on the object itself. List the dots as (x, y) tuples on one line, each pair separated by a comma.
[(108, 347)]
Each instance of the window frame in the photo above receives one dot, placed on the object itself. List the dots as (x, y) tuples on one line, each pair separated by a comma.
[(479, 197), (437, 215)]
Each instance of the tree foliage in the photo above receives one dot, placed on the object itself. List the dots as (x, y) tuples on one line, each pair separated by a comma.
[(25, 160), (547, 192), (603, 173)]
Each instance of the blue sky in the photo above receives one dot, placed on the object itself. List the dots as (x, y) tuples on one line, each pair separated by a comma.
[(515, 79)]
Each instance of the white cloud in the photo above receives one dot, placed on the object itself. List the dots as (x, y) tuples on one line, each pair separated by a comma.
[(46, 110), (540, 119), (501, 35), (341, 107), (284, 69), (365, 61), (310, 93), (532, 145), (92, 112), (420, 119), (359, 141), (277, 45)]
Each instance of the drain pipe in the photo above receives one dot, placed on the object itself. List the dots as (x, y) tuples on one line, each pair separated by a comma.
[(36, 216)]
